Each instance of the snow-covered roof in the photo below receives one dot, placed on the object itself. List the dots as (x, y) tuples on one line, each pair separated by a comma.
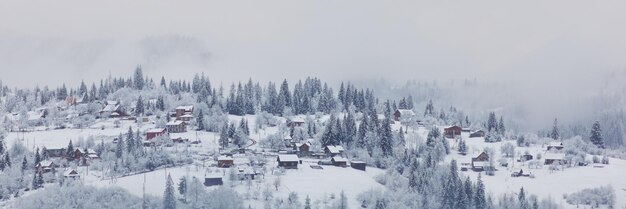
[(335, 149), (297, 120), (156, 130), (110, 108), (555, 144), (45, 163), (186, 108), (174, 123), (288, 158), (406, 112), (480, 163), (339, 159), (111, 102), (70, 173), (187, 116), (224, 158)]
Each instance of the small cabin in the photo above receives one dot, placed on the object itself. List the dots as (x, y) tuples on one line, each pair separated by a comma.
[(45, 166), (288, 161), (213, 181), (359, 165), (399, 114), (303, 148), (152, 133), (481, 161), (333, 150), (71, 174), (452, 131), (339, 161), (476, 134), (225, 162), (295, 122)]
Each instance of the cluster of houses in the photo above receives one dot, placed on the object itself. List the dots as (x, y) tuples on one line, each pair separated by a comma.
[(83, 156)]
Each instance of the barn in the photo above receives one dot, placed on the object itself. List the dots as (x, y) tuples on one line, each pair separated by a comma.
[(288, 161), (333, 150)]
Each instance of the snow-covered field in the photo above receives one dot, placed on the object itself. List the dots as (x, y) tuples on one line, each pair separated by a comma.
[(546, 184)]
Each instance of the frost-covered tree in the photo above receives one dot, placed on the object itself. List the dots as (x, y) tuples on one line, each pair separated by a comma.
[(224, 136), (596, 135), (479, 197), (182, 187), (169, 199), (555, 133), (138, 80), (200, 120), (69, 153), (139, 107), (130, 141)]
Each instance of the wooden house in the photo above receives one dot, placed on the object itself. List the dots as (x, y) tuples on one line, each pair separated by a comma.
[(45, 166), (478, 133), (339, 161), (112, 109), (225, 162), (481, 161), (295, 122), (333, 150), (359, 165), (303, 148), (176, 126), (400, 114), (56, 152), (288, 161), (152, 133), (71, 174), (182, 111), (452, 131)]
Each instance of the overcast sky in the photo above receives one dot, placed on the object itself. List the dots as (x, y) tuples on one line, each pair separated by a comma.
[(50, 42)]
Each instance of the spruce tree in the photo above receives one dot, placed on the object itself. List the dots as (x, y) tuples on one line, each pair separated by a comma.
[(307, 202), (169, 200), (138, 80), (224, 136), (7, 160), (35, 182), (521, 197), (200, 120), (479, 197), (182, 187), (555, 133), (24, 165), (139, 107), (130, 142), (596, 135), (69, 153), (37, 156), (119, 149)]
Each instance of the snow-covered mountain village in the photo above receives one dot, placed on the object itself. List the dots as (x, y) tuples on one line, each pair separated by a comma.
[(137, 142), (312, 104)]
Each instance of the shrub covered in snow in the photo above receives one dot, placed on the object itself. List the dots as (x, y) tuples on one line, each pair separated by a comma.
[(594, 197)]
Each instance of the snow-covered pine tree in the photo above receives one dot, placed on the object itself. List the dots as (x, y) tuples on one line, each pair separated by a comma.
[(596, 135), (130, 141), (138, 80), (362, 133), (521, 199), (169, 200), (139, 107), (69, 153), (200, 120), (224, 136), (37, 156), (182, 187), (386, 137), (501, 128), (555, 133), (119, 149), (479, 197), (492, 123)]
